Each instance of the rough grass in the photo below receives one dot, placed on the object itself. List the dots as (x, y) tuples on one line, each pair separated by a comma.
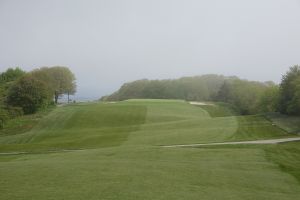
[(256, 127), (130, 164), (291, 124), (23, 124)]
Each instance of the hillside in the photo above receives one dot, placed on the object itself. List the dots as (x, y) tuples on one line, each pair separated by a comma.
[(248, 97), (115, 152), (197, 88)]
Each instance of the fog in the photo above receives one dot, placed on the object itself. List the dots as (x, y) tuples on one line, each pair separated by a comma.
[(109, 42)]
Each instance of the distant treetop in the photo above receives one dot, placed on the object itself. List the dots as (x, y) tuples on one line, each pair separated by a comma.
[(11, 74)]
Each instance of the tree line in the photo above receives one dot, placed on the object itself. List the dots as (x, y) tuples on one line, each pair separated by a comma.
[(201, 88), (249, 97), (27, 92)]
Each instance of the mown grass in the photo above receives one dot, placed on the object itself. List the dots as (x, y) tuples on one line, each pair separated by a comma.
[(287, 156), (220, 109), (79, 126), (130, 164), (256, 127), (249, 127)]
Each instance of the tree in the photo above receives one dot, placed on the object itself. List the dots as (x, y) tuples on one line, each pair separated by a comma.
[(29, 93), (245, 95), (7, 78), (3, 117), (11, 75), (59, 79), (289, 100), (269, 100), (64, 81), (197, 88)]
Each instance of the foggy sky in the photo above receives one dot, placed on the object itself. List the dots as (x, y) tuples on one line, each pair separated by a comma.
[(109, 42)]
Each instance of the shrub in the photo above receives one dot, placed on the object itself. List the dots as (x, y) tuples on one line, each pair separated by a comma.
[(29, 93), (15, 111), (3, 118)]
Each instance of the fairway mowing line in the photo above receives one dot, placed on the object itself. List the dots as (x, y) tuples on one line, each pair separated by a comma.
[(271, 141), (42, 152)]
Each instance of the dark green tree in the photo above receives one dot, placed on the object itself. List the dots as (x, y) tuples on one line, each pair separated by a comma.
[(3, 117), (243, 94), (270, 98), (289, 100), (29, 93), (11, 75)]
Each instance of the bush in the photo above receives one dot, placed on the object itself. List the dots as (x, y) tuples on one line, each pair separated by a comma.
[(30, 94), (15, 112), (289, 100), (3, 118), (11, 75)]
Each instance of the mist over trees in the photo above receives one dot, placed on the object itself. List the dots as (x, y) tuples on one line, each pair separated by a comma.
[(198, 88), (249, 97), (27, 92)]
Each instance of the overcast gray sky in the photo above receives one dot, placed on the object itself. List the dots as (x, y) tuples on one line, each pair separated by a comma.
[(109, 42)]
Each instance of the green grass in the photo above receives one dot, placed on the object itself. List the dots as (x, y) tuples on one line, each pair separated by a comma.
[(287, 156), (23, 124), (249, 127), (79, 126), (256, 127), (291, 124), (220, 109), (124, 160)]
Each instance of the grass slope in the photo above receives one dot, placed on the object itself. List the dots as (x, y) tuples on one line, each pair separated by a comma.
[(79, 126), (287, 156), (220, 109), (126, 161), (291, 124), (256, 127), (23, 124), (250, 127)]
